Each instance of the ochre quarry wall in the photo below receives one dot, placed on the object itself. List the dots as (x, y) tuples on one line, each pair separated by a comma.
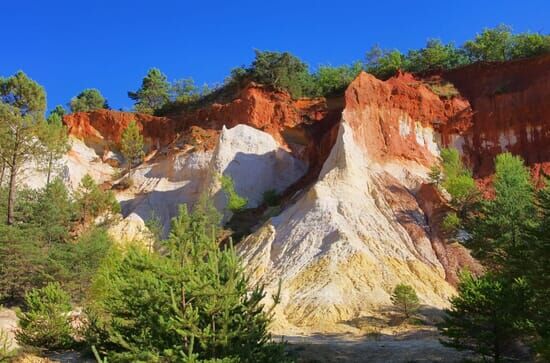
[(510, 105)]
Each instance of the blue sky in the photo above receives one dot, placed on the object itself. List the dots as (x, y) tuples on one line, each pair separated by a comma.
[(109, 44)]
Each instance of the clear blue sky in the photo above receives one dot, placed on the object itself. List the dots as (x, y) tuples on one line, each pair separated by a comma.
[(109, 44)]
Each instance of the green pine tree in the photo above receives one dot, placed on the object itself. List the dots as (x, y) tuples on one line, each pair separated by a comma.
[(499, 229), (22, 106), (153, 93), (404, 298), (132, 146), (189, 305), (88, 100), (485, 316)]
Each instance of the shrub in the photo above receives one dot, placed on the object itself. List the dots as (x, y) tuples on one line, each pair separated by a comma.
[(457, 180), (280, 70), (88, 100), (235, 202), (92, 202), (45, 322), (6, 352), (405, 300), (384, 63), (529, 44), (434, 56), (329, 81), (451, 223)]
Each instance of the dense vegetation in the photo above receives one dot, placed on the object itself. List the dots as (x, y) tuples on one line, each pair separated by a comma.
[(491, 45), (510, 235), (286, 72)]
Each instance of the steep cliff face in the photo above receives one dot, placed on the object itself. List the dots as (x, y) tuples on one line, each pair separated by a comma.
[(341, 248), (103, 129), (358, 216), (511, 112)]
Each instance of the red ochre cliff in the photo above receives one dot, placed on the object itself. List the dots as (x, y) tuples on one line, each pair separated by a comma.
[(510, 105)]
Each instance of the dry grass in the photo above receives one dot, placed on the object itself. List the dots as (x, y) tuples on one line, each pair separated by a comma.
[(443, 89)]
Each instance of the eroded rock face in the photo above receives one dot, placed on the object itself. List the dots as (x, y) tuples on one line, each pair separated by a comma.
[(511, 112), (344, 245), (359, 216), (255, 162), (252, 158), (359, 230), (102, 129)]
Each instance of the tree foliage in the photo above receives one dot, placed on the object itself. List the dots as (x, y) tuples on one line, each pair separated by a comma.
[(190, 304), (93, 202), (484, 315), (153, 94), (132, 145), (235, 202), (88, 100), (499, 229), (405, 300), (56, 141), (45, 321), (22, 106)]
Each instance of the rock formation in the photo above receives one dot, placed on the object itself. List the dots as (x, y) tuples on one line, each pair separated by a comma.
[(358, 215)]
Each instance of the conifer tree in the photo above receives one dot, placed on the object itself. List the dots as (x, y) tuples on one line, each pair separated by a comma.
[(132, 145), (88, 100), (22, 106), (499, 230), (190, 305), (485, 315), (56, 141), (404, 298), (153, 93)]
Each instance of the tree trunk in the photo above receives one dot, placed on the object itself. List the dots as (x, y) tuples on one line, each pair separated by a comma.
[(50, 162), (11, 195), (2, 173)]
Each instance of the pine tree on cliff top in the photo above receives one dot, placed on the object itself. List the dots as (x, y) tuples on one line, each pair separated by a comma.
[(153, 93)]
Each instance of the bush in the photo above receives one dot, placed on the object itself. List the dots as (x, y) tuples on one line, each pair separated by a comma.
[(6, 352), (457, 180), (435, 56), (93, 202), (451, 223), (45, 322), (384, 63), (88, 100), (282, 71), (405, 300), (235, 202), (329, 81)]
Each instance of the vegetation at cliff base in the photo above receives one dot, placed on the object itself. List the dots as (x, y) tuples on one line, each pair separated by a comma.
[(509, 234), (405, 300)]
